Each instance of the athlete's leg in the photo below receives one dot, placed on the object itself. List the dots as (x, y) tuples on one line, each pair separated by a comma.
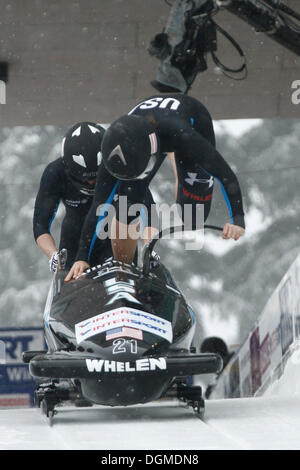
[(133, 220), (102, 251), (123, 245)]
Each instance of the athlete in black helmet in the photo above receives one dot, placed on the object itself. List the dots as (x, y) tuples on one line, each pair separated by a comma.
[(135, 146), (130, 148), (70, 179), (81, 155)]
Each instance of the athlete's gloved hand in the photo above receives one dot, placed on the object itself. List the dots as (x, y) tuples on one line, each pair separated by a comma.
[(76, 270), (54, 262), (232, 231)]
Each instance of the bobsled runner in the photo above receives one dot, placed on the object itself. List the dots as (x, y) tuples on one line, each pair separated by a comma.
[(118, 335)]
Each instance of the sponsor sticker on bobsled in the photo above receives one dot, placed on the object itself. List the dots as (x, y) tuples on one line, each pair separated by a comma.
[(119, 317), (140, 365), (124, 332)]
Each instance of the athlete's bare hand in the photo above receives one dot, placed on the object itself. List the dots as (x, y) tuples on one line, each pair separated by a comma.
[(232, 231), (77, 269)]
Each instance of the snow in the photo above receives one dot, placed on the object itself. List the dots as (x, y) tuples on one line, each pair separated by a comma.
[(236, 127), (288, 385), (257, 423), (232, 424), (270, 422), (149, 426)]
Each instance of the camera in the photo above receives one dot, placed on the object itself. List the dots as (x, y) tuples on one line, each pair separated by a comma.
[(182, 47)]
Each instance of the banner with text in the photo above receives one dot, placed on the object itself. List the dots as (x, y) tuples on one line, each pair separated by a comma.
[(261, 358), (16, 384)]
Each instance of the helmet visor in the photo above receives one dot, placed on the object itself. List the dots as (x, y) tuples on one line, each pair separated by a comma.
[(146, 172), (85, 186)]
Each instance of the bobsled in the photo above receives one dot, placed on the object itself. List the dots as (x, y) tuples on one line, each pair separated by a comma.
[(118, 335)]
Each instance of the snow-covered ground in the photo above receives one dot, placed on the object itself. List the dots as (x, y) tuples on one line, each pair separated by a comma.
[(251, 423), (268, 422)]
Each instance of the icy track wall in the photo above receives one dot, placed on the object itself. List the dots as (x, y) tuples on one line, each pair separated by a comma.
[(271, 348)]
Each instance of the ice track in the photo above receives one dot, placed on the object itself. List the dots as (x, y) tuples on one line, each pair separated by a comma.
[(252, 423)]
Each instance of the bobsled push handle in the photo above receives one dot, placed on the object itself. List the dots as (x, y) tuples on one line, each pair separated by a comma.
[(63, 255), (149, 247)]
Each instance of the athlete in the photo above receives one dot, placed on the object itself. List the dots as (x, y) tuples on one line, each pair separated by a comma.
[(71, 179), (133, 149)]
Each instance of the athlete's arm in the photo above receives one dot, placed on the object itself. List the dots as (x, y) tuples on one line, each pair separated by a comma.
[(46, 205), (232, 231), (47, 244), (198, 149), (105, 190), (171, 156)]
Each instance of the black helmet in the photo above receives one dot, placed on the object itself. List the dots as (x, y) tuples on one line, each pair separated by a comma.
[(129, 147), (214, 344), (81, 152)]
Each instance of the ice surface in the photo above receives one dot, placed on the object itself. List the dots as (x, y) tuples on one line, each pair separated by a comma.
[(251, 423)]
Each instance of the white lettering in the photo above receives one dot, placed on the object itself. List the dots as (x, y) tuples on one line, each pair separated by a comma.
[(166, 101), (173, 459), (149, 459), (128, 368), (159, 363), (112, 460), (110, 366), (140, 365), (106, 214), (120, 366), (157, 102), (2, 353), (2, 92), (296, 94), (18, 374), (94, 365)]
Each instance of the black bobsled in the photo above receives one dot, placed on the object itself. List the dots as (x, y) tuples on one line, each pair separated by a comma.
[(118, 335)]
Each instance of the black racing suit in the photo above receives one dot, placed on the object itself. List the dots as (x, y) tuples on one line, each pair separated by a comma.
[(54, 188), (184, 126)]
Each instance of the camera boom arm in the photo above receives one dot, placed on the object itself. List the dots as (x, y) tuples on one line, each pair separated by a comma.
[(266, 17), (190, 34)]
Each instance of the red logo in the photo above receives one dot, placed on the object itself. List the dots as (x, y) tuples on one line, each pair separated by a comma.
[(196, 197)]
